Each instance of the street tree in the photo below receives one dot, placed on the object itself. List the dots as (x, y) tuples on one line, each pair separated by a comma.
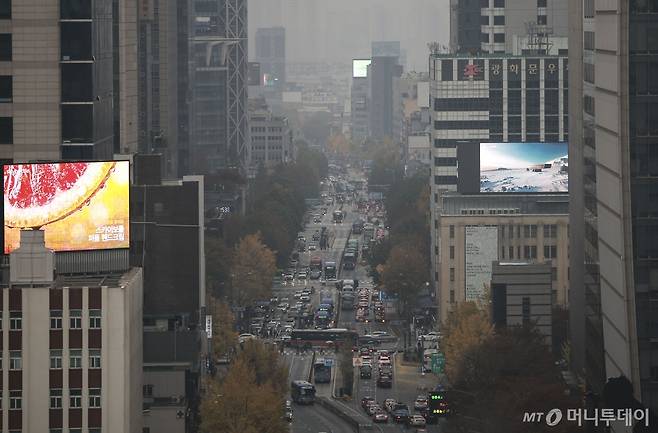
[(218, 265), (265, 364), (252, 270), (224, 336), (237, 404), (404, 273), (467, 328)]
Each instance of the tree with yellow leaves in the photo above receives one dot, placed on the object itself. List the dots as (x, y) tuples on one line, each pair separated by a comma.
[(252, 269), (239, 405), (224, 337)]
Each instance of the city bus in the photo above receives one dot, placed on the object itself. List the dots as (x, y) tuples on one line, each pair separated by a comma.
[(302, 392), (349, 261), (331, 337), (330, 270), (322, 371)]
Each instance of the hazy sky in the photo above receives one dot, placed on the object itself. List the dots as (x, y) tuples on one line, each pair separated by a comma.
[(340, 30)]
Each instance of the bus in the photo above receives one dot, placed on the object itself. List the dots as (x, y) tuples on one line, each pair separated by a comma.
[(330, 270), (322, 371), (427, 359), (315, 263), (302, 392), (338, 216), (349, 261), (331, 337)]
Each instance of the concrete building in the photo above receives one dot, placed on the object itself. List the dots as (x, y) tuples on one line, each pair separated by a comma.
[(271, 137), (271, 54), (492, 98), (385, 101), (164, 114), (218, 96), (616, 266), (472, 231), (465, 26), (73, 346), (360, 108), (521, 295), (56, 80)]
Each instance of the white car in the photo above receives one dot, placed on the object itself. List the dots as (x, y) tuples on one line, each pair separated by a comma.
[(312, 247), (301, 276), (417, 421), (244, 337)]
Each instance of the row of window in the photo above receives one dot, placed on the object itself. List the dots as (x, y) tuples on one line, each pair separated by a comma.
[(75, 398), (265, 129), (529, 231), (498, 37), (75, 319), (529, 252), (75, 359)]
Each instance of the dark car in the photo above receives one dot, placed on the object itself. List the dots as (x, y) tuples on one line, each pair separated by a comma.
[(401, 415), (365, 372), (365, 402), (384, 381)]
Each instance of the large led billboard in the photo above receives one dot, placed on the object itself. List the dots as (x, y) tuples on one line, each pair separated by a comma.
[(481, 249), (360, 68), (524, 167), (79, 205)]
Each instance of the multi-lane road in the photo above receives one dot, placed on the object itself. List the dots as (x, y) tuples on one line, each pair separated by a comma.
[(408, 382)]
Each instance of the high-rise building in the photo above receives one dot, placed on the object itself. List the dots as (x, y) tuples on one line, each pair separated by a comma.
[(57, 84), (619, 119), (385, 102), (164, 115), (271, 54), (218, 85), (271, 137), (73, 345), (508, 26)]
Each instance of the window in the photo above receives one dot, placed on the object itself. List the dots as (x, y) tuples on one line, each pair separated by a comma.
[(436, 250), (484, 20), (15, 400), (75, 358), (452, 296), (452, 252), (533, 251), (502, 253), (75, 42), (76, 319), (77, 122), (15, 320), (511, 252), (542, 20), (499, 20), (75, 9), (75, 399), (518, 231), (499, 3), (5, 9), (510, 231), (147, 390), (526, 252), (550, 231), (15, 360), (452, 274), (502, 231), (499, 37), (77, 82), (452, 232), (525, 310), (6, 89), (55, 319), (484, 37), (94, 358), (94, 397), (5, 47), (554, 273), (541, 3), (55, 398), (94, 319), (55, 359)]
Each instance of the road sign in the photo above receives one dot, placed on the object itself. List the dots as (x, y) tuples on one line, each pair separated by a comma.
[(438, 362), (209, 326), (357, 362)]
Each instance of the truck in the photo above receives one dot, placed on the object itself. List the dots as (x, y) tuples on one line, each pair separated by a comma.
[(315, 263)]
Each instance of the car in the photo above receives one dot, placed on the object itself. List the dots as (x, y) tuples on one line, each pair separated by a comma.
[(305, 298), (293, 263), (312, 247), (389, 404), (363, 351), (379, 334), (301, 238), (384, 380), (380, 416), (365, 401), (401, 415), (365, 371), (301, 275), (244, 337), (420, 403), (417, 421), (298, 294), (316, 274), (288, 276), (317, 219), (372, 408), (366, 359)]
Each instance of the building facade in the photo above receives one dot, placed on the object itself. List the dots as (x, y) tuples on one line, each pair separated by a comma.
[(163, 52), (218, 96), (271, 54), (271, 138), (495, 98), (359, 104), (521, 295), (385, 110), (472, 231), (72, 348), (620, 121)]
